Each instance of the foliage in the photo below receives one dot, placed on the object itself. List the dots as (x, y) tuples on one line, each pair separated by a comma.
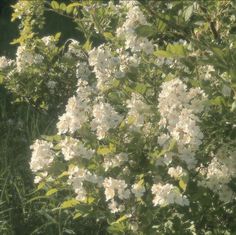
[(147, 141)]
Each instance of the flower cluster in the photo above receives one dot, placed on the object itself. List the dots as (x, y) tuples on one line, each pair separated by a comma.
[(115, 161), (105, 66), (219, 173), (82, 70), (49, 42), (138, 190), (73, 148), (113, 186), (4, 62), (77, 178), (103, 122), (74, 50), (137, 112), (168, 194), (42, 155), (26, 57), (134, 18), (179, 108), (78, 109), (177, 173)]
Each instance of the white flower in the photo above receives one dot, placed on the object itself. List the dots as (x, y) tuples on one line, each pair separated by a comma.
[(114, 207), (186, 131), (103, 122), (123, 192), (42, 155), (138, 190), (179, 108), (105, 66), (138, 110), (26, 57), (166, 160), (109, 185), (220, 172), (74, 49), (40, 177), (187, 155), (78, 110), (113, 187), (49, 42), (4, 62), (134, 18), (115, 161), (168, 194), (163, 138), (127, 60), (76, 178), (205, 72), (72, 148), (82, 70), (177, 172)]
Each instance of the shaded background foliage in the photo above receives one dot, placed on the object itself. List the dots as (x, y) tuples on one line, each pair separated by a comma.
[(8, 29), (19, 124)]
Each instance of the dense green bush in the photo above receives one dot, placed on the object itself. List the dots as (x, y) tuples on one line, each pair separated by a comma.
[(147, 141)]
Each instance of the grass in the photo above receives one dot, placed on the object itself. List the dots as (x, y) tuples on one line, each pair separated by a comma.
[(20, 124)]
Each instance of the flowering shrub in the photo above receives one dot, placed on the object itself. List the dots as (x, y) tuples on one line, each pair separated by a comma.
[(146, 145)]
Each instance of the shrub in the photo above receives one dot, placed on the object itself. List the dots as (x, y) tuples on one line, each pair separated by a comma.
[(147, 143)]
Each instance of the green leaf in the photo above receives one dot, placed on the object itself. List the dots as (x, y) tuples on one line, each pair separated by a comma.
[(51, 192), (75, 12), (140, 88), (87, 45), (233, 106), (57, 36), (108, 35), (182, 185), (145, 30), (41, 185), (1, 78), (76, 4), (116, 228), (161, 26), (115, 83), (104, 150), (57, 147), (55, 5), (63, 7), (69, 203), (65, 173), (188, 12), (69, 9), (51, 138), (172, 145), (130, 119), (219, 54), (77, 215), (218, 101), (183, 181), (162, 53), (37, 198), (90, 200), (122, 218), (177, 50), (232, 73)]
